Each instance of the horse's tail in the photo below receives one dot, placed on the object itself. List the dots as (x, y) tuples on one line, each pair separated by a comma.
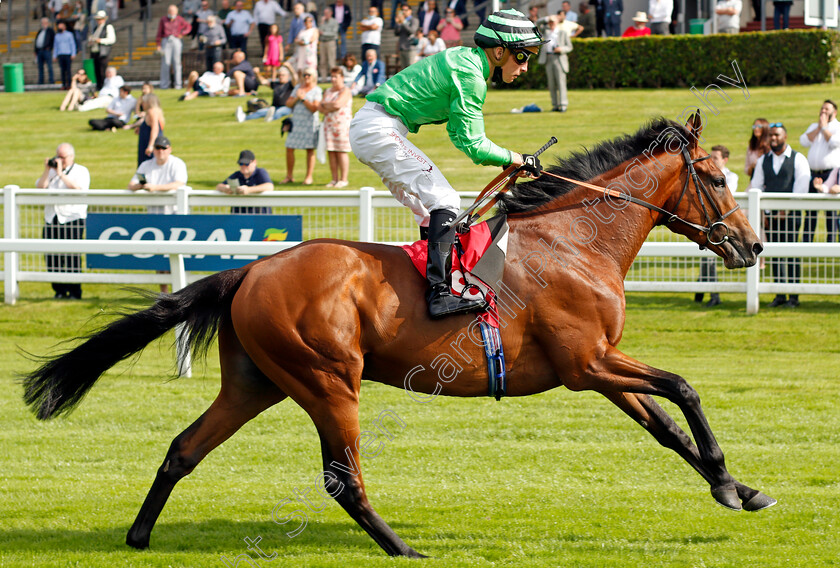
[(62, 381)]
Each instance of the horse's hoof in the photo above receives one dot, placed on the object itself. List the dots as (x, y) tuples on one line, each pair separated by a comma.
[(758, 502), (139, 544), (727, 496)]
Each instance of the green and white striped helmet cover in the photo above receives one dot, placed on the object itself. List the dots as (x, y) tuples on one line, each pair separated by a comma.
[(508, 28)]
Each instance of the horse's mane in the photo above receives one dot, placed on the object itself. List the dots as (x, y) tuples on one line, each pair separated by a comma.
[(584, 165)]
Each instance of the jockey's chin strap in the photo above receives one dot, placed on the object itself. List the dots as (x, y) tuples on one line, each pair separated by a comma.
[(702, 191)]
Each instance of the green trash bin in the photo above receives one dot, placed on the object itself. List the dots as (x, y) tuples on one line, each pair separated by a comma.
[(695, 26), (90, 68), (13, 77)]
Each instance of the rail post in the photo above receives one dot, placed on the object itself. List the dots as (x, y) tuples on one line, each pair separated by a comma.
[(753, 272), (366, 215), (11, 230)]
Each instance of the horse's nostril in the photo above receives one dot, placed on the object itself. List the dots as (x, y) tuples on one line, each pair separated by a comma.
[(757, 248)]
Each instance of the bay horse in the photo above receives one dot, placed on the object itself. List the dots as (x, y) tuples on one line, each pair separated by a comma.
[(354, 311)]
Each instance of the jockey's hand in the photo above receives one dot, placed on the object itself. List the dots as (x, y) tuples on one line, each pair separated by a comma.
[(517, 160), (531, 165)]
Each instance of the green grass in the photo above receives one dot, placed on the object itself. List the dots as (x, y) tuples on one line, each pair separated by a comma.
[(558, 479)]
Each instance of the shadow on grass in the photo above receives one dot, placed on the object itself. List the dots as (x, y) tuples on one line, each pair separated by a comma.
[(211, 536)]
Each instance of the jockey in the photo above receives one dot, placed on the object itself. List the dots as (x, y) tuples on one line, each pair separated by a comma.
[(449, 87)]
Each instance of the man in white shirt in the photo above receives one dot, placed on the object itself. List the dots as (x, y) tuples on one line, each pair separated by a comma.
[(659, 14), (108, 93), (163, 173), (728, 16), (371, 31), (119, 112), (211, 83), (241, 24), (782, 170), (708, 266), (265, 13), (572, 29), (66, 221), (822, 138)]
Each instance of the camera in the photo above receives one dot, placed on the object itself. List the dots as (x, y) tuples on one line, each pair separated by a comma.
[(52, 162)]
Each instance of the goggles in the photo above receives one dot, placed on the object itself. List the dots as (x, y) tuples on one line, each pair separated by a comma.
[(521, 56)]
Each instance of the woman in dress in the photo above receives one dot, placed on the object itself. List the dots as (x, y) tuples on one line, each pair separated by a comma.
[(759, 144), (350, 68), (150, 127), (304, 135), (306, 46), (273, 56), (337, 107)]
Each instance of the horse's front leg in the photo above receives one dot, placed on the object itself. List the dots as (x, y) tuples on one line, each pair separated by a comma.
[(616, 372), (653, 418)]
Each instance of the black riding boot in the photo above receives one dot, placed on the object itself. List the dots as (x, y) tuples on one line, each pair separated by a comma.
[(442, 302)]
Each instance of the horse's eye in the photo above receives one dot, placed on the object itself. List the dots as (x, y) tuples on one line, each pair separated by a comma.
[(719, 181)]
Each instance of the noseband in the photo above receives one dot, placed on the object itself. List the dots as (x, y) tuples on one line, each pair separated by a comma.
[(702, 191)]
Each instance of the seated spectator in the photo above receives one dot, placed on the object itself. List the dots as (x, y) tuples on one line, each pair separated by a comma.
[(244, 75), (350, 68), (109, 92), (81, 89), (430, 45), (211, 83), (371, 75), (119, 112), (248, 180), (450, 29), (638, 28), (278, 109)]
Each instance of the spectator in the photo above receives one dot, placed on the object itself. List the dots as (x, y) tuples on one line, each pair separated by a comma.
[(282, 91), (100, 41), (781, 14), (211, 83), (189, 11), (450, 28), (265, 15), (708, 266), (64, 50), (171, 29), (612, 17), (822, 138), (660, 16), (214, 41), (428, 17), (430, 45), (304, 135), (350, 68), (371, 28), (119, 112), (222, 15), (534, 13), (243, 74), (728, 16), (78, 25), (460, 8), (296, 24), (337, 108), (758, 146), (571, 15), (201, 25), (139, 113), (371, 75), (64, 221), (344, 17), (44, 49), (150, 128), (639, 27), (273, 56), (406, 26), (109, 92), (327, 46), (248, 180), (554, 55), (306, 46), (81, 89), (573, 29), (241, 24), (782, 170), (586, 18)]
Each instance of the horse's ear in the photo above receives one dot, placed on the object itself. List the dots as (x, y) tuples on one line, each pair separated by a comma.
[(695, 126)]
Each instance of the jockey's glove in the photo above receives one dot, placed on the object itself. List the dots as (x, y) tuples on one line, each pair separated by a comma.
[(531, 164)]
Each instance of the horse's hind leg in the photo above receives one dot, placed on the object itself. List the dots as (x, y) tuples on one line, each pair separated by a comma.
[(653, 418), (244, 394)]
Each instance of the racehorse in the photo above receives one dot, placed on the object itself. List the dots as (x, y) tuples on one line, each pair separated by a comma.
[(354, 311)]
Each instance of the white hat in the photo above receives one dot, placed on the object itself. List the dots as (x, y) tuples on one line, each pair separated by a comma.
[(100, 15), (640, 17)]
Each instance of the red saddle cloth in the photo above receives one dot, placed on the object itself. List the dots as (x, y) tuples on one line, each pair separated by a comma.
[(467, 281)]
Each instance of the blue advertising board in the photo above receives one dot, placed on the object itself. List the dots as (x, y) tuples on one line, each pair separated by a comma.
[(218, 228)]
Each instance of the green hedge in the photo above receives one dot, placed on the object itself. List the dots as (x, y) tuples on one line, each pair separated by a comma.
[(769, 58)]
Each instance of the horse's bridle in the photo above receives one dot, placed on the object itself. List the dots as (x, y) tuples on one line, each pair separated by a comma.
[(702, 190)]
